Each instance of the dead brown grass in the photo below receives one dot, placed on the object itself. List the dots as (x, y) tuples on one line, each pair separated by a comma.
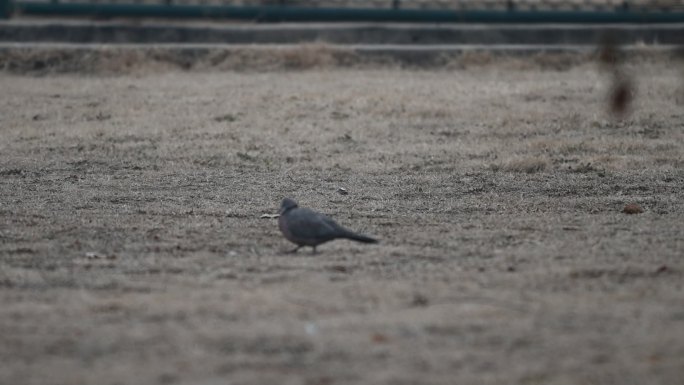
[(115, 59), (527, 165), (126, 60), (132, 248)]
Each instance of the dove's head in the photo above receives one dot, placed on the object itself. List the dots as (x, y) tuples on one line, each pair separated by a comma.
[(287, 205)]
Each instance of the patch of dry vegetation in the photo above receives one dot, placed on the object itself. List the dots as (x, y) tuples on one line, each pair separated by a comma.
[(124, 59), (527, 165), (132, 248), (115, 59)]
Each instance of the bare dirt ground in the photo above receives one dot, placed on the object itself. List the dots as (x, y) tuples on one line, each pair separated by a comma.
[(132, 249)]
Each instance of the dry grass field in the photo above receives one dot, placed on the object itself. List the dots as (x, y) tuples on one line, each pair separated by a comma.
[(132, 249)]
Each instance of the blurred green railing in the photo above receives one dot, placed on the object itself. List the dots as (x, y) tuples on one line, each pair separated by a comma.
[(4, 9), (503, 11)]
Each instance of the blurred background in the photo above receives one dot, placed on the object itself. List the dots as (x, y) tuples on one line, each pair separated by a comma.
[(371, 10)]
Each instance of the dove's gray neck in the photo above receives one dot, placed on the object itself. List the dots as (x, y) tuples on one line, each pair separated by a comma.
[(288, 205)]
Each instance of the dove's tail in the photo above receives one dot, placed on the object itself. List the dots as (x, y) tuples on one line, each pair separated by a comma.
[(358, 237)]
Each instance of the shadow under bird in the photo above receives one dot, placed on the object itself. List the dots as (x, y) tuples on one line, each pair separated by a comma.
[(305, 227)]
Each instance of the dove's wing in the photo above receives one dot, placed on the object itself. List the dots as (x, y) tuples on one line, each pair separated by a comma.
[(311, 227)]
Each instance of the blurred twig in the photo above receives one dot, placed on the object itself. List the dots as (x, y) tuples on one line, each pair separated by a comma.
[(621, 94)]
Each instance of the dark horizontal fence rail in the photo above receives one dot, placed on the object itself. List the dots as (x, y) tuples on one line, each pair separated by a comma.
[(503, 11), (345, 34)]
